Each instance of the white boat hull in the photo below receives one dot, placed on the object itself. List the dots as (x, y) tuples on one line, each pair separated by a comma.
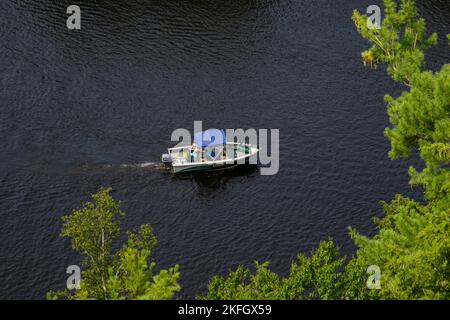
[(182, 165)]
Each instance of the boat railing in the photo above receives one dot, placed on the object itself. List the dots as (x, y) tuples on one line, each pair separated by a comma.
[(182, 155)]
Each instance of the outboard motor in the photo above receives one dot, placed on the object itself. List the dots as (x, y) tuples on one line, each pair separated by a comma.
[(166, 159)]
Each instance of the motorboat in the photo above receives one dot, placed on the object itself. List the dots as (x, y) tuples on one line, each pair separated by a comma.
[(210, 151)]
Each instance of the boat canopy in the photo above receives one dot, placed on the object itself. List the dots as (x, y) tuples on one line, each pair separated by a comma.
[(210, 137)]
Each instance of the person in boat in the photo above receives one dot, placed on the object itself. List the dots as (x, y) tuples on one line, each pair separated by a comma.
[(196, 153), (193, 152)]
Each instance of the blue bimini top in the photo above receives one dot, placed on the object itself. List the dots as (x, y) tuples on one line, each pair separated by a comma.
[(210, 137)]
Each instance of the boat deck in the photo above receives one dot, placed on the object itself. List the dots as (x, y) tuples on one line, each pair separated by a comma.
[(211, 154)]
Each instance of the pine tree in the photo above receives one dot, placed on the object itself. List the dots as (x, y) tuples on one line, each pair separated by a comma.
[(412, 247)]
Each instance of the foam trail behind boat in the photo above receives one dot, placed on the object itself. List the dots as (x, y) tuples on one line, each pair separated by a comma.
[(141, 165)]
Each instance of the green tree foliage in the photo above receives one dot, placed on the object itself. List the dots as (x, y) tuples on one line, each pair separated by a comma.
[(412, 250), (420, 117), (412, 247), (399, 42), (127, 273), (323, 275)]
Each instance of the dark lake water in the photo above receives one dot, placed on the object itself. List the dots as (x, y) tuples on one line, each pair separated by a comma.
[(96, 107)]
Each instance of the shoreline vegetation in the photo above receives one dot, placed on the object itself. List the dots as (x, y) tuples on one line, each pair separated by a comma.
[(127, 273), (411, 249)]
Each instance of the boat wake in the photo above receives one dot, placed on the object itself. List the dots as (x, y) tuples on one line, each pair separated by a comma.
[(141, 165), (158, 166)]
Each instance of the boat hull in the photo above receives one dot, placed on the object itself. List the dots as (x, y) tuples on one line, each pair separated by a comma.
[(181, 165), (197, 168)]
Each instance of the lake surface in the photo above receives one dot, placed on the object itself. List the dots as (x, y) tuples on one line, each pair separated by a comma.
[(96, 107)]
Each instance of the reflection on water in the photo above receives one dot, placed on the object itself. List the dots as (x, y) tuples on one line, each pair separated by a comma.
[(216, 180)]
